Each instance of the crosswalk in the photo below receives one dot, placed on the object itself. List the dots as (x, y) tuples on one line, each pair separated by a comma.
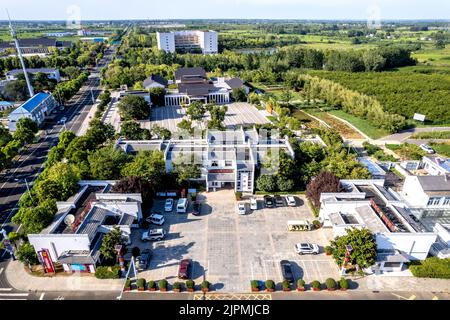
[(7, 294)]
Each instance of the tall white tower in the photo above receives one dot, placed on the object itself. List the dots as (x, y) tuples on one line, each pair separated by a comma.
[(19, 54)]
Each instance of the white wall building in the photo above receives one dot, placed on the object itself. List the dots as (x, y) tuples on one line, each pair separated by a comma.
[(188, 40), (37, 108), (228, 159), (94, 211), (51, 73), (368, 204), (435, 165)]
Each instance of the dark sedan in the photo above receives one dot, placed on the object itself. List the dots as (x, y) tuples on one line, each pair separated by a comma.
[(286, 270), (268, 201)]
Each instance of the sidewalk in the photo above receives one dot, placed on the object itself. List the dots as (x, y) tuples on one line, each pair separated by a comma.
[(402, 283), (19, 279)]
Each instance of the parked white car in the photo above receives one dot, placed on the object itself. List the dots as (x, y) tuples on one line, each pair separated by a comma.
[(253, 204), (426, 148), (306, 248), (156, 219), (153, 235), (241, 208), (290, 200), (168, 206)]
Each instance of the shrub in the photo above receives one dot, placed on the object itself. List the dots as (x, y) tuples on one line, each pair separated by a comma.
[(128, 283), (285, 284), (330, 283), (269, 284), (177, 285), (328, 250), (140, 283), (431, 268), (190, 284), (162, 284), (343, 283), (254, 284), (151, 284), (193, 197), (315, 284), (238, 195), (106, 272), (205, 284), (316, 224), (300, 283)]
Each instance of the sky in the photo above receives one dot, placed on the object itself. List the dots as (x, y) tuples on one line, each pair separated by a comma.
[(219, 9)]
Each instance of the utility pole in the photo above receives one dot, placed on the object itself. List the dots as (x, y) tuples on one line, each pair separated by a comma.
[(19, 54)]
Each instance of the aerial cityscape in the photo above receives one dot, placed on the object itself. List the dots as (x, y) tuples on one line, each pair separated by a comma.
[(291, 150)]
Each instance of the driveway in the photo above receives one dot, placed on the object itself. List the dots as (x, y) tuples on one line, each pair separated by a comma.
[(404, 135), (230, 250)]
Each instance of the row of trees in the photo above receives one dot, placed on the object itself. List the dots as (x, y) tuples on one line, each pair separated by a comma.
[(64, 91), (352, 102), (10, 145)]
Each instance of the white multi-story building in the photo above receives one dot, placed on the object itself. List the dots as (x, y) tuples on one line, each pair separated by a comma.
[(226, 158), (188, 40), (75, 236), (400, 236)]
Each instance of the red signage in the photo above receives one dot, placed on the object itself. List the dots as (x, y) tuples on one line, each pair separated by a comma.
[(47, 261), (221, 171)]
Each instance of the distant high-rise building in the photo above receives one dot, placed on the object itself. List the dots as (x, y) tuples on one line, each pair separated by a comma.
[(189, 41)]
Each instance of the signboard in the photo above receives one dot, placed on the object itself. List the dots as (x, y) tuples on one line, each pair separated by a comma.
[(46, 261), (419, 117)]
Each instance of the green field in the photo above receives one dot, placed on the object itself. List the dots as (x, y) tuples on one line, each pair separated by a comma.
[(441, 148)]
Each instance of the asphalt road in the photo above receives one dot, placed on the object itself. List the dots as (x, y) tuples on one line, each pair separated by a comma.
[(25, 169)]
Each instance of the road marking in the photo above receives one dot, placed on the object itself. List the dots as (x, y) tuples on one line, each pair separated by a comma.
[(13, 299), (399, 296), (5, 289), (233, 296), (14, 294), (42, 296), (1, 270), (435, 298)]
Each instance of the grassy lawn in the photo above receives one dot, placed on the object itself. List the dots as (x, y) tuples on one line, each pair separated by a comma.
[(431, 135), (361, 124), (441, 148), (306, 119)]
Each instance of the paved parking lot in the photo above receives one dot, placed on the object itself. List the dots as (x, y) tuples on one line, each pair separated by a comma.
[(230, 250), (238, 113)]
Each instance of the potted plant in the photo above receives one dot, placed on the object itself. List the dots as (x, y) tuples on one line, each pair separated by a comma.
[(270, 285), (140, 283), (343, 284), (151, 285), (238, 195), (300, 285), (176, 286), (162, 285), (205, 286), (254, 285), (190, 285), (328, 250), (285, 285), (127, 286), (331, 284), (315, 285), (316, 224), (193, 197)]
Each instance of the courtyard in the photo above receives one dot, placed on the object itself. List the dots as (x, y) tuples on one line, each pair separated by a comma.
[(229, 250)]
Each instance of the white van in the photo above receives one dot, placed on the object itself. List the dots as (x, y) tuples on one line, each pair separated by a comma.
[(182, 205), (156, 219)]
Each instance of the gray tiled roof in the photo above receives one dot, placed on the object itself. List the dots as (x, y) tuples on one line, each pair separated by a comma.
[(235, 83), (155, 78), (435, 183), (189, 72)]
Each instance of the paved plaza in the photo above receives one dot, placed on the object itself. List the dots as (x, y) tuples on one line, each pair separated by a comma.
[(239, 113)]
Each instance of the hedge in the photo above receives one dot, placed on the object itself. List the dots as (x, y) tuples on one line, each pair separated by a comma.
[(106, 272), (431, 268)]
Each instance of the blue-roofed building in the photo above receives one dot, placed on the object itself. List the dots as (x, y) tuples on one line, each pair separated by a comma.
[(37, 108)]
